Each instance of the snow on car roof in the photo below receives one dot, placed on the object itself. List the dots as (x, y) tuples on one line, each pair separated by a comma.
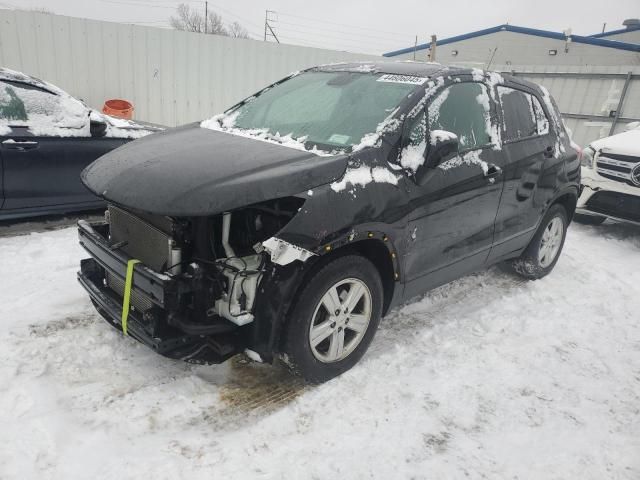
[(418, 69)]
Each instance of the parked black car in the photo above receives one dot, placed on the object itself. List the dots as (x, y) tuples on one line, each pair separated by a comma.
[(47, 138), (293, 222)]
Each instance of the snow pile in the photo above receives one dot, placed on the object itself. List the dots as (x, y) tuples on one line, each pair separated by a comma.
[(412, 157), (363, 176), (458, 384), (436, 136), (470, 159), (374, 139)]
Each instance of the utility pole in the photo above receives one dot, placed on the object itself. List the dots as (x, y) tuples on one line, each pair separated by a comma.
[(206, 15), (432, 49), (267, 25), (415, 47)]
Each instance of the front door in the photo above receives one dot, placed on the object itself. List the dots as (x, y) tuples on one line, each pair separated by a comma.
[(454, 204)]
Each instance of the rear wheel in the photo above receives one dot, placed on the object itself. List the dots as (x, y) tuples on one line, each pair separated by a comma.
[(335, 318), (589, 219), (544, 250)]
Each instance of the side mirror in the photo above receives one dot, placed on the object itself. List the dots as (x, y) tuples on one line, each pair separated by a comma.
[(443, 145), (98, 128)]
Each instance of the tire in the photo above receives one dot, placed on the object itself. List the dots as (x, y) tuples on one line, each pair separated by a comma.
[(343, 277), (533, 264), (589, 219)]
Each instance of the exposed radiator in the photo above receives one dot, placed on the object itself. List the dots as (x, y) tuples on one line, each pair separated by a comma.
[(141, 240), (141, 302)]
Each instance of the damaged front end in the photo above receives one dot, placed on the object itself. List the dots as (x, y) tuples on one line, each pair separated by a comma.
[(202, 282)]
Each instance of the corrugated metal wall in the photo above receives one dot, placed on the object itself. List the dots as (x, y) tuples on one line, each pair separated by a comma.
[(588, 97), (171, 77), (176, 77)]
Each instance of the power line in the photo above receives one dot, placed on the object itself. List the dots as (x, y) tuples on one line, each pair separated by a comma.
[(343, 32), (379, 43), (341, 24)]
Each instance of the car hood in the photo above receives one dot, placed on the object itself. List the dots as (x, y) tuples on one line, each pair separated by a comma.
[(193, 171), (626, 143)]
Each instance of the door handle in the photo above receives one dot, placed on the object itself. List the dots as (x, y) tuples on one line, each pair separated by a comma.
[(548, 152), (493, 171), (22, 145)]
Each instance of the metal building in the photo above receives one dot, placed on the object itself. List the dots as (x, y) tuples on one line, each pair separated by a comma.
[(594, 79), (512, 45)]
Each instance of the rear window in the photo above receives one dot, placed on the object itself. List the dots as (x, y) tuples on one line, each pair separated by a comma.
[(522, 114)]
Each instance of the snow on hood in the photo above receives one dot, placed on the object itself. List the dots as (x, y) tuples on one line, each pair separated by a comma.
[(625, 143), (209, 172)]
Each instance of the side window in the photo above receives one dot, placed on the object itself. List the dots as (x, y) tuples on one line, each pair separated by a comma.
[(464, 109), (12, 107), (522, 114), (542, 121), (26, 105)]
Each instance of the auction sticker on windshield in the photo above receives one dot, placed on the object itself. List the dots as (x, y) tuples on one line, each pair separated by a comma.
[(402, 79)]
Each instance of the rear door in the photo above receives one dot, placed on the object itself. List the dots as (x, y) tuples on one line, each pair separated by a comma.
[(454, 204), (528, 147)]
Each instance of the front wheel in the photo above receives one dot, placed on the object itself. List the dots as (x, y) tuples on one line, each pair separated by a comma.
[(543, 252), (335, 318)]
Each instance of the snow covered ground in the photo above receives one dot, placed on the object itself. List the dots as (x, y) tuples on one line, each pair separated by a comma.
[(488, 377)]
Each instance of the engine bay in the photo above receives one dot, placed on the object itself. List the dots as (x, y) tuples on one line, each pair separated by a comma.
[(222, 255)]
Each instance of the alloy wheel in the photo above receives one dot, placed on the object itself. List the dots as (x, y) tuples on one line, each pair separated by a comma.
[(340, 320), (551, 242)]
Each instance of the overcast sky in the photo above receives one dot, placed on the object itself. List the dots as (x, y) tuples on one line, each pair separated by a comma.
[(360, 25)]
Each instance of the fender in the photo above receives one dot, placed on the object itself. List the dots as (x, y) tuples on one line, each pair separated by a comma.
[(282, 283)]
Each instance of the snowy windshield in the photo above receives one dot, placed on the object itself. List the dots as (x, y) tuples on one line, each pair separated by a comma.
[(330, 109)]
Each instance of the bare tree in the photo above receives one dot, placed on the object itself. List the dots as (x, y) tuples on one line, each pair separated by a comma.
[(41, 10), (236, 30), (191, 20)]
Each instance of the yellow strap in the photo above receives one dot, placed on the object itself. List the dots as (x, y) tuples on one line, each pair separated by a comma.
[(128, 283)]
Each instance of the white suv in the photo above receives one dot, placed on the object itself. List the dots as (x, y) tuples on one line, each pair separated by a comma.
[(611, 179)]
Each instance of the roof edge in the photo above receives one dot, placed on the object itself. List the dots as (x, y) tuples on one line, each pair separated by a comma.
[(526, 31), (615, 32)]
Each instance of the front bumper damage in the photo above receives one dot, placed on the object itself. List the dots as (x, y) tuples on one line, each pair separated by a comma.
[(162, 327), (619, 196)]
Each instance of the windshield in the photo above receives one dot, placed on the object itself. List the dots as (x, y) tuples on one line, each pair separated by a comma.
[(331, 110)]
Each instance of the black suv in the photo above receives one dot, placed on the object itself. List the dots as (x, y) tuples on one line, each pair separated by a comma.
[(290, 224)]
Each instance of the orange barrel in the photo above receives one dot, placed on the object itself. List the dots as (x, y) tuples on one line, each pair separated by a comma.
[(118, 108)]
